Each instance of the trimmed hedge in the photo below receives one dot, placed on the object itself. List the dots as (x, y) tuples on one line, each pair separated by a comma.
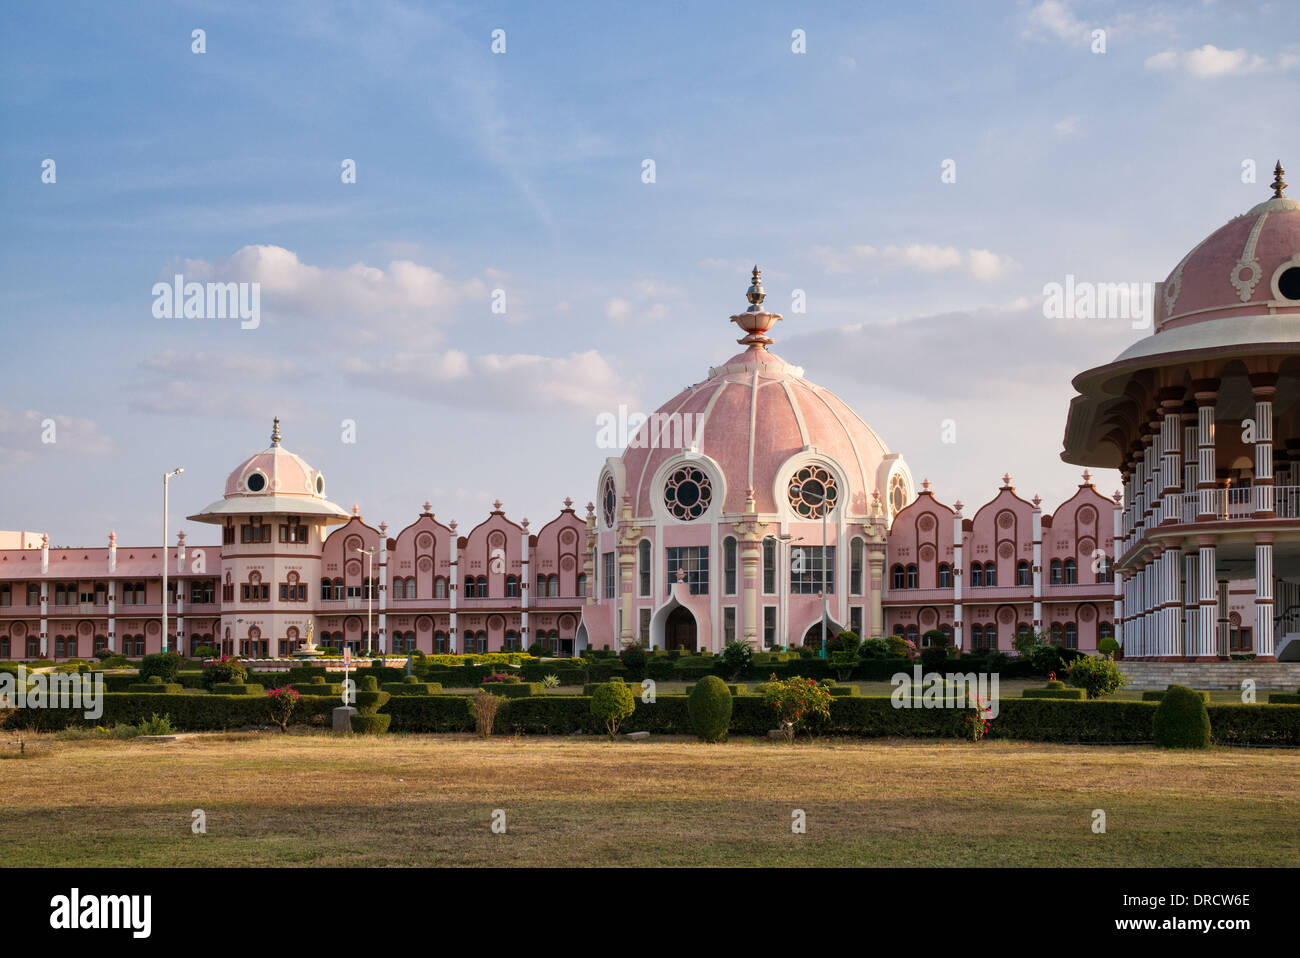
[(156, 688), (231, 688), (1284, 698), (513, 690), (1159, 694), (732, 688), (709, 706), (1053, 693), (1182, 720), (188, 713), (369, 723), (412, 688)]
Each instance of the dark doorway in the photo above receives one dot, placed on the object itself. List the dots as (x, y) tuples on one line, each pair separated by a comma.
[(679, 630)]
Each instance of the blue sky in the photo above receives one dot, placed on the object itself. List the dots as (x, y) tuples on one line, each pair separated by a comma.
[(522, 172)]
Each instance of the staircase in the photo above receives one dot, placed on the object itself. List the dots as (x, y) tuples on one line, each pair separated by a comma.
[(1276, 676)]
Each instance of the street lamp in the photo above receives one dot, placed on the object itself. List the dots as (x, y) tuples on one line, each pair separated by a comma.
[(370, 596), (813, 492), (788, 541), (166, 477)]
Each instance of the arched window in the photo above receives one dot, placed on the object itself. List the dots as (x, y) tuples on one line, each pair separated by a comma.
[(1105, 631), (1055, 572), (1103, 570), (944, 576), (643, 567), (440, 641), (913, 577), (897, 578), (729, 566), (553, 586), (769, 566), (582, 584), (1022, 573), (1071, 635), (1071, 573), (470, 589), (976, 575), (482, 587), (340, 591), (976, 637), (899, 631), (440, 589), (541, 587), (326, 590), (512, 586), (990, 573), (913, 636), (856, 552)]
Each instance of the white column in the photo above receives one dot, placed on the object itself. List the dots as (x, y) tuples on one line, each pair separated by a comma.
[(1207, 599), (1172, 469), (958, 627), (1263, 645), (525, 565), (1036, 530), (1262, 488), (1173, 607), (1206, 392), (1117, 581), (382, 585), (1191, 603)]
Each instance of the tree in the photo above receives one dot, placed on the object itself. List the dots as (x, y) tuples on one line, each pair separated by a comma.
[(737, 657), (282, 702), (1098, 675)]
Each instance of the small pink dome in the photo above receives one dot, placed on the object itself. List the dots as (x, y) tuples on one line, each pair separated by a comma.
[(1249, 266), (275, 472)]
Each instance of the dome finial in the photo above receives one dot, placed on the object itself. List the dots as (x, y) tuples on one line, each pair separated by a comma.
[(755, 320), (275, 432), (1278, 185)]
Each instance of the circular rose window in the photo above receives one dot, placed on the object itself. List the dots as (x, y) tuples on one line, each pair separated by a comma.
[(897, 494), (813, 492), (608, 501), (687, 493)]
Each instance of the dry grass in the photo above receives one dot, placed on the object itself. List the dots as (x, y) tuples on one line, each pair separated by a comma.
[(426, 800)]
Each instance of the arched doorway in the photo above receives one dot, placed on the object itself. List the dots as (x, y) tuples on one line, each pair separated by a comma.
[(812, 639), (679, 630)]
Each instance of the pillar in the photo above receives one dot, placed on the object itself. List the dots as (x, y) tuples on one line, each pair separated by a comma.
[(1206, 392), (1223, 618), (1207, 602), (1263, 387), (1263, 646), (453, 587)]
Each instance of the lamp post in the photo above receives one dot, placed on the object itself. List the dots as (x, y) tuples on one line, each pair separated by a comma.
[(814, 493), (166, 478), (370, 595), (788, 540)]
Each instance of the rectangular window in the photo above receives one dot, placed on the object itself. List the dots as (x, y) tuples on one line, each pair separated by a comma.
[(609, 575), (769, 625), (855, 620), (769, 566), (806, 570), (855, 567), (693, 561), (644, 629), (729, 624), (729, 566)]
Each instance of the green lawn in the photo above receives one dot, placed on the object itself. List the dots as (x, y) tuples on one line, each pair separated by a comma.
[(317, 799)]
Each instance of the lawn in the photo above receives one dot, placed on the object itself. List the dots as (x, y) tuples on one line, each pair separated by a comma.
[(317, 799)]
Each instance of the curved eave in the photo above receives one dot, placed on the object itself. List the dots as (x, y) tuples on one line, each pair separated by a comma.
[(271, 505), (1103, 386)]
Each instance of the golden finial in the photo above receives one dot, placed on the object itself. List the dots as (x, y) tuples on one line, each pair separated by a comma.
[(1278, 184), (275, 432), (755, 294)]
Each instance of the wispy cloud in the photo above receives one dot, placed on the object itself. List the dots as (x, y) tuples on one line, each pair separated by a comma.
[(1208, 62), (981, 264)]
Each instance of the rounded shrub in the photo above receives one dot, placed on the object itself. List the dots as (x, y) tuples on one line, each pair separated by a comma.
[(369, 684), (1056, 684), (710, 708), (611, 703), (1182, 720), (1107, 645), (370, 723)]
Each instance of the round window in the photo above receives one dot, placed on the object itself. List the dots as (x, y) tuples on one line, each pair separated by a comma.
[(813, 492), (256, 482), (688, 493), (1288, 284), (320, 485)]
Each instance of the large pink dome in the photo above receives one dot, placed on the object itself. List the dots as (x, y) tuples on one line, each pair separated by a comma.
[(1243, 268), (753, 419)]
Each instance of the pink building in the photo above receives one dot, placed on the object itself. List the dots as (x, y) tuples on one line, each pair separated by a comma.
[(756, 505)]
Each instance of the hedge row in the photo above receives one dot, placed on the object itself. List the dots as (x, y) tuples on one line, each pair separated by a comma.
[(1059, 694), (1027, 719)]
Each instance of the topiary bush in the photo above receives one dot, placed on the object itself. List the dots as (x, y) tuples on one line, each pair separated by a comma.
[(1097, 675), (162, 665), (611, 703), (737, 657), (709, 705), (1181, 719), (1107, 645), (223, 671), (369, 723)]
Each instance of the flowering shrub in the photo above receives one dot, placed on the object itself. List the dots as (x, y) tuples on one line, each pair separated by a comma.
[(282, 702), (799, 702), (498, 678), (977, 718)]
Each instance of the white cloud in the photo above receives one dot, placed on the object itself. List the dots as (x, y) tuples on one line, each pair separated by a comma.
[(982, 264), (223, 366), (1067, 126), (1209, 61), (365, 303), (25, 435), (579, 382), (1055, 17)]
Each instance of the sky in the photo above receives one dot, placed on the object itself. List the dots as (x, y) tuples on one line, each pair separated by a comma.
[(505, 270)]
